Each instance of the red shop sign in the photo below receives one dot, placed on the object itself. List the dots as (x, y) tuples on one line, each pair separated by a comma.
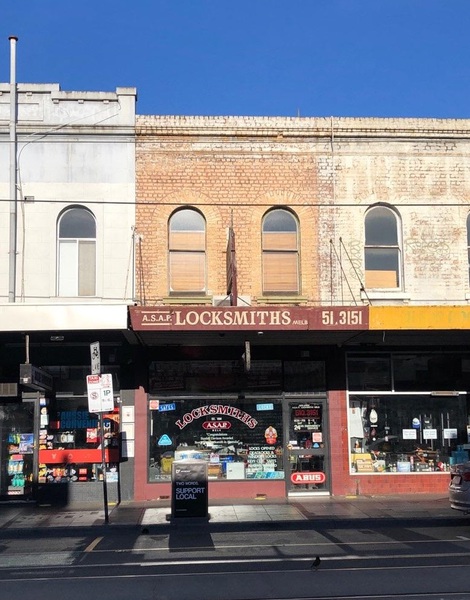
[(216, 425), (85, 456), (308, 477)]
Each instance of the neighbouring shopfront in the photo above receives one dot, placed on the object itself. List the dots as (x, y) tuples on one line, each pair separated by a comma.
[(50, 443), (70, 455)]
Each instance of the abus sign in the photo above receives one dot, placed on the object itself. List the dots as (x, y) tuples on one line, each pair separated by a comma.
[(216, 425), (308, 477)]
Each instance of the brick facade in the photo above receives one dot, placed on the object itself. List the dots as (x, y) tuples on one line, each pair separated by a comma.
[(328, 172)]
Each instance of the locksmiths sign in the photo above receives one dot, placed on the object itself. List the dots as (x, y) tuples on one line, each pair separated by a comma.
[(246, 319)]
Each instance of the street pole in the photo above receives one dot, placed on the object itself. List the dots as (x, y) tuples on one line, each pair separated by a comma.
[(13, 174), (103, 469), (95, 355)]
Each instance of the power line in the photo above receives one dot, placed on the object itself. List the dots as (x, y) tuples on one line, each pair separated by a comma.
[(33, 200)]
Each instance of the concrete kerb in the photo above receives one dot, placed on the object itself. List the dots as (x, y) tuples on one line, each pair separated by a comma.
[(351, 511)]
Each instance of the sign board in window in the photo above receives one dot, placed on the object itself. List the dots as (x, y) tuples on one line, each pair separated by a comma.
[(306, 417)]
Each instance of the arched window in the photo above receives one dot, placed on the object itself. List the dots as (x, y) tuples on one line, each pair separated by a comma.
[(280, 246), (468, 244), (76, 253), (382, 253), (187, 252)]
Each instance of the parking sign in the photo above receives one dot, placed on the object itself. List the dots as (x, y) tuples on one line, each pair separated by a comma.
[(100, 393)]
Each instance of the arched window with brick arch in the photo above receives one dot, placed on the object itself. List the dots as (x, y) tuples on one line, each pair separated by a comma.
[(382, 251), (76, 253), (187, 252), (280, 250)]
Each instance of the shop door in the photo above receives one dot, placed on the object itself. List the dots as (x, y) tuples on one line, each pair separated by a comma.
[(307, 448)]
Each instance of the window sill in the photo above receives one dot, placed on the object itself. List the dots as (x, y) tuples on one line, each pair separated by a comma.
[(190, 300), (385, 295), (296, 300)]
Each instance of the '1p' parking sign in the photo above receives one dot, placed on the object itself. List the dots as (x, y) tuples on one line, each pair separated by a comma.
[(100, 393)]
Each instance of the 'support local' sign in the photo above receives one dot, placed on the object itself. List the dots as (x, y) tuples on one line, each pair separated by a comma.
[(189, 488), (240, 318)]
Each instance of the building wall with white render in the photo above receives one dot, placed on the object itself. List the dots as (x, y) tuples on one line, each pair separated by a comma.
[(74, 149)]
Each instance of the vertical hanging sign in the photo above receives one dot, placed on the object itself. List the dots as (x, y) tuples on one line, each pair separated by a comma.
[(95, 358)]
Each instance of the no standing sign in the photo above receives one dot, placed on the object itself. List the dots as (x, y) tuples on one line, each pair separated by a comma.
[(100, 393)]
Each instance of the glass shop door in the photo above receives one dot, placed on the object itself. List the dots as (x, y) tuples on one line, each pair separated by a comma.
[(307, 447)]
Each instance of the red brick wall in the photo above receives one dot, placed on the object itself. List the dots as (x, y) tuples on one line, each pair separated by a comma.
[(228, 183)]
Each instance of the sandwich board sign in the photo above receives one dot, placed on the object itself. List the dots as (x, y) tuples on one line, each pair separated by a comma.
[(100, 393)]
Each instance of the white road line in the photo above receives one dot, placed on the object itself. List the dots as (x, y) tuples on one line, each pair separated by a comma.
[(115, 576), (388, 543), (93, 544), (346, 557)]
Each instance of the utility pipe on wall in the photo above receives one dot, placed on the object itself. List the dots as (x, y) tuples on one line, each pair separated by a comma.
[(13, 173)]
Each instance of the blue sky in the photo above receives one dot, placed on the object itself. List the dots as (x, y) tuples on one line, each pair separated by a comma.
[(351, 58)]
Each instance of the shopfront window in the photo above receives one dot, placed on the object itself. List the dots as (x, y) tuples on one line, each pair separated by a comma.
[(430, 372), (70, 442), (230, 376), (406, 433), (369, 373), (70, 436), (420, 424), (239, 439)]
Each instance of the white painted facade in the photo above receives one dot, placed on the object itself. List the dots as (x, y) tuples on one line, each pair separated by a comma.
[(74, 149)]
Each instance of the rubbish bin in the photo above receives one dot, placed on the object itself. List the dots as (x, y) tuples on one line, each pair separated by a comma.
[(189, 493)]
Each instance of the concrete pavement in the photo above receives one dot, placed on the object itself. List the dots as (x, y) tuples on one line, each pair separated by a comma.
[(334, 511)]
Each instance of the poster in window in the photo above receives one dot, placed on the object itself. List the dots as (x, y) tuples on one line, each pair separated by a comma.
[(307, 417)]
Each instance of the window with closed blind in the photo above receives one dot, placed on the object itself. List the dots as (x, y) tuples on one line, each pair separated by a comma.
[(280, 248), (382, 252), (76, 253), (187, 252)]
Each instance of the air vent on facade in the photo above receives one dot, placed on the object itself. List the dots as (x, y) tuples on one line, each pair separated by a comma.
[(8, 390), (225, 301)]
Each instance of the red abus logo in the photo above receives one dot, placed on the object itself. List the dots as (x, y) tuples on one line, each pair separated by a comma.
[(306, 477), (214, 425)]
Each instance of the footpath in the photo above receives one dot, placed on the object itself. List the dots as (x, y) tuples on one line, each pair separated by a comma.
[(355, 511)]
